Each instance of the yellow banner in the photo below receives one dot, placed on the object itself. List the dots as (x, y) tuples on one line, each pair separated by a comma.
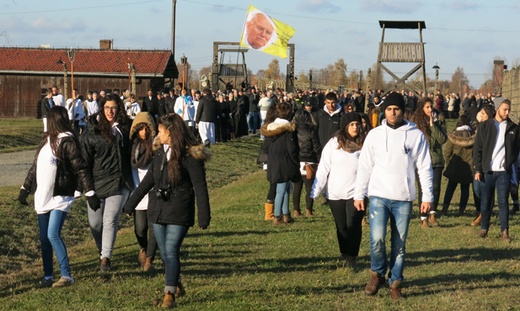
[(266, 34)]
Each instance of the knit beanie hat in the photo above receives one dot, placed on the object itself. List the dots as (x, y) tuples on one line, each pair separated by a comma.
[(349, 117), (497, 101), (393, 99)]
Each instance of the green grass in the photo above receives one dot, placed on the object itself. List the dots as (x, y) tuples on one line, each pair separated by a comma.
[(244, 263), (20, 133)]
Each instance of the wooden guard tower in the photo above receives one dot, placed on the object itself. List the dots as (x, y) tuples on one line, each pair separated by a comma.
[(401, 52)]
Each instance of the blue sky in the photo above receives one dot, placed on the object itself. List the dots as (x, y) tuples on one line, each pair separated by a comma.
[(459, 33)]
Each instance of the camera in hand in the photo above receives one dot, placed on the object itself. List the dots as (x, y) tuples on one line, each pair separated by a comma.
[(163, 193)]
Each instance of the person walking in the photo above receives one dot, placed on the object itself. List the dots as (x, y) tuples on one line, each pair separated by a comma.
[(458, 153), (494, 153), (176, 178), (282, 160), (142, 134), (337, 174), (386, 171), (106, 147), (309, 154), (431, 123), (53, 178)]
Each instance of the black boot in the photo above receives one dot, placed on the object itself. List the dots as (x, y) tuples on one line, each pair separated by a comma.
[(515, 209)]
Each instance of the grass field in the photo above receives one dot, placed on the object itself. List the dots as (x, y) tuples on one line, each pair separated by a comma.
[(19, 133), (244, 263)]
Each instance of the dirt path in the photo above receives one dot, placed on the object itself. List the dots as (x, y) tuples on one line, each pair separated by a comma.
[(14, 167)]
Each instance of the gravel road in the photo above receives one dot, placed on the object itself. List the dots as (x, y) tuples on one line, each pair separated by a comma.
[(14, 167)]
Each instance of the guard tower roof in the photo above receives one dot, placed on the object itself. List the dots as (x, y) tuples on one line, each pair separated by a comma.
[(403, 24)]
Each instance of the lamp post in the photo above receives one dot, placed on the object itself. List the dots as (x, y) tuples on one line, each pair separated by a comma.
[(71, 53), (65, 84), (436, 67)]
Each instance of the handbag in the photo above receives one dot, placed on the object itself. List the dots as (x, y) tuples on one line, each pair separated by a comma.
[(310, 169)]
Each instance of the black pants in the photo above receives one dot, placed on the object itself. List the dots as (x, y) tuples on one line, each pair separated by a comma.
[(144, 233), (348, 225), (271, 193), (297, 191), (437, 177)]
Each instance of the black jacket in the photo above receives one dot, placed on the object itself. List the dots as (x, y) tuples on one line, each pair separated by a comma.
[(485, 143), (46, 106), (308, 141), (178, 207), (328, 124), (208, 110), (108, 161), (281, 146), (71, 168)]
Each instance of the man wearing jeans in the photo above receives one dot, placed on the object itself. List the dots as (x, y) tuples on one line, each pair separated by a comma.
[(495, 150), (391, 154)]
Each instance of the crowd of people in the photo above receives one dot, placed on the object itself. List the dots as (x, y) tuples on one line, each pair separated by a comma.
[(146, 159)]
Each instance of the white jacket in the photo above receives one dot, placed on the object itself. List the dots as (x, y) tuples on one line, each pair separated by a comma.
[(336, 171), (388, 161)]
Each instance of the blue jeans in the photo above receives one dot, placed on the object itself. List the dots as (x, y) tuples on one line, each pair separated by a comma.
[(50, 239), (169, 238), (477, 187), (252, 121), (104, 222), (281, 199), (500, 181), (399, 213)]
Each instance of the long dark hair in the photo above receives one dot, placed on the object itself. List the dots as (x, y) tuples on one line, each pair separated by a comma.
[(181, 138), (144, 155), (346, 141), (421, 119), (57, 122), (104, 128)]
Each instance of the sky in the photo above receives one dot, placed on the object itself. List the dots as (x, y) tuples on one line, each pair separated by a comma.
[(469, 34)]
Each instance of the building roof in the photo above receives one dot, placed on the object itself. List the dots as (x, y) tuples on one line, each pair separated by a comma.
[(148, 63)]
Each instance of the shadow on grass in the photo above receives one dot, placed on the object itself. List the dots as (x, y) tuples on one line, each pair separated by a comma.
[(442, 256)]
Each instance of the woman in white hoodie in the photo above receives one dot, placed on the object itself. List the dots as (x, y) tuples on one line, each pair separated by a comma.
[(336, 177)]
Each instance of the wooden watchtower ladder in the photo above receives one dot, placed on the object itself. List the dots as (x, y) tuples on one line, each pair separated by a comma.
[(401, 52)]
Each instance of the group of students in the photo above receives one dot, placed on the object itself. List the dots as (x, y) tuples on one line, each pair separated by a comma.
[(407, 146), (119, 168)]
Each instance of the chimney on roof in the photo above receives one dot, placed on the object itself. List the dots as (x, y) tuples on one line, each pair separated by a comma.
[(105, 44)]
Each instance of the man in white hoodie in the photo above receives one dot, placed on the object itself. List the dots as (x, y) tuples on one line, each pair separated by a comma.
[(386, 172)]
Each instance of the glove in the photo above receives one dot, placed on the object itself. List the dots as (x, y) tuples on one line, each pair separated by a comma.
[(22, 197), (93, 202)]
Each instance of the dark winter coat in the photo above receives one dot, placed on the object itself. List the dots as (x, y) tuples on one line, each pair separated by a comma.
[(328, 124), (308, 140), (71, 168), (108, 161), (458, 154), (281, 146), (177, 208), (208, 110), (485, 143)]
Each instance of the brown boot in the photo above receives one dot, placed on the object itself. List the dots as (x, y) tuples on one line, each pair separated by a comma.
[(395, 290), (424, 223), (168, 301), (141, 258), (297, 213), (476, 221), (433, 221), (288, 219), (148, 267), (482, 233), (505, 236), (269, 208), (278, 221), (374, 283), (309, 213)]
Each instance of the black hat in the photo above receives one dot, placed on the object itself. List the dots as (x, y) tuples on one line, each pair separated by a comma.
[(307, 103), (349, 117), (393, 99)]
